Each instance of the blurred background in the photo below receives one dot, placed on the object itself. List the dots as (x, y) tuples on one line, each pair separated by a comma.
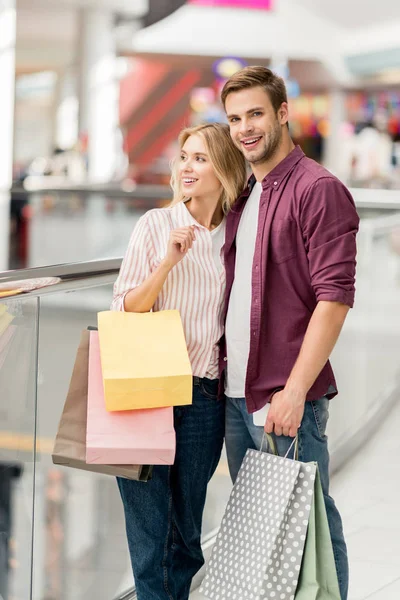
[(93, 94)]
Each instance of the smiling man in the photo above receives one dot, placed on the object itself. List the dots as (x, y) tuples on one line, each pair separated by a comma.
[(290, 253)]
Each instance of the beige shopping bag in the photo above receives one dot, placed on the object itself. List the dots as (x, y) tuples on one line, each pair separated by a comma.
[(70, 444), (144, 360)]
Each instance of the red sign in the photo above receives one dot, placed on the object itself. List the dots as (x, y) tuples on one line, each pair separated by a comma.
[(258, 4)]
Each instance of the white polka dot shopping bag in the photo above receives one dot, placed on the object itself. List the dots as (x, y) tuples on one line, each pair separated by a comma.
[(274, 541)]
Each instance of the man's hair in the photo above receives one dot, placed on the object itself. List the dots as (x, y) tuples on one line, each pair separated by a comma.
[(257, 76)]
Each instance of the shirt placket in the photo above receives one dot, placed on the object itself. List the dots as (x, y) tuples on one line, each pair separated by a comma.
[(256, 285)]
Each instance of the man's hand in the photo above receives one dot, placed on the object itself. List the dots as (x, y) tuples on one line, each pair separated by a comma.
[(286, 413)]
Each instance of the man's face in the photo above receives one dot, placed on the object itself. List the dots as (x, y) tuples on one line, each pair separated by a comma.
[(255, 127)]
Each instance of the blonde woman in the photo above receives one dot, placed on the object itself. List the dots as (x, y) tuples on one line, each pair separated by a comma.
[(174, 261)]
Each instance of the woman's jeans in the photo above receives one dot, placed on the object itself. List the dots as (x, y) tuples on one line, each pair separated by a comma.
[(241, 433), (163, 516)]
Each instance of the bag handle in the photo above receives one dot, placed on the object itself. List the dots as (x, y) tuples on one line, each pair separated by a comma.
[(272, 446)]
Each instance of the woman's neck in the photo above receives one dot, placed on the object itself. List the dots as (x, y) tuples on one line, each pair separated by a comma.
[(208, 213)]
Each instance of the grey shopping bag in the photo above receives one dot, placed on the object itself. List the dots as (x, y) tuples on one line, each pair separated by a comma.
[(259, 549)]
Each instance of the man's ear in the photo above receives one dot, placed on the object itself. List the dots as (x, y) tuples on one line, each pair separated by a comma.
[(283, 113)]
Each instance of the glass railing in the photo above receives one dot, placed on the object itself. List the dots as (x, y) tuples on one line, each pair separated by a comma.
[(18, 401), (367, 356), (62, 533)]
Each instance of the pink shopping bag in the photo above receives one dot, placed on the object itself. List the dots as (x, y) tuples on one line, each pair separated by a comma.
[(124, 437)]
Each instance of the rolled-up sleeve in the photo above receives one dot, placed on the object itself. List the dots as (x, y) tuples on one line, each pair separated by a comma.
[(330, 223), (136, 266)]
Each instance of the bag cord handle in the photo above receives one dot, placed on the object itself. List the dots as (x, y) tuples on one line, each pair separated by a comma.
[(271, 444)]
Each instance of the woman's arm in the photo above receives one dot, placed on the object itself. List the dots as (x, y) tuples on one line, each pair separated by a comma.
[(142, 298)]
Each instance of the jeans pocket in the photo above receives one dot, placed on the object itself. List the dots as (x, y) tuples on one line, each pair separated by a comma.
[(320, 410), (209, 388)]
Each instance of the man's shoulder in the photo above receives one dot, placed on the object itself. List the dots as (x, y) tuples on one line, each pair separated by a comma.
[(312, 173)]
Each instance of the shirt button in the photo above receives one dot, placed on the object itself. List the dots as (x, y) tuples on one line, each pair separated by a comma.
[(225, 358), (275, 183), (254, 333), (256, 267)]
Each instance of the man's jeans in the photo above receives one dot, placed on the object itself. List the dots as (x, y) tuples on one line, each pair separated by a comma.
[(164, 516), (241, 433)]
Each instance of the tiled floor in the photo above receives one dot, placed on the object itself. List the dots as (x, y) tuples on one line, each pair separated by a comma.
[(367, 492)]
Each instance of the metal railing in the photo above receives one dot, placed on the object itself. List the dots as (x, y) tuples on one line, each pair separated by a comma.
[(70, 276)]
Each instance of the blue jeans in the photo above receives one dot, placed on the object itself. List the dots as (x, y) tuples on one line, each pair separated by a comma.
[(164, 516), (241, 433)]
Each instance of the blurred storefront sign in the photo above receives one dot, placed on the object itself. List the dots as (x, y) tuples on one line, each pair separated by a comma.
[(223, 68), (257, 4)]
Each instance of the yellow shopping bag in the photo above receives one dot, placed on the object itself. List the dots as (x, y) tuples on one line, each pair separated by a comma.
[(144, 360)]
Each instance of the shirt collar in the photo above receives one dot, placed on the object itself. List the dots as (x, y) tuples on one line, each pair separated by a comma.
[(184, 217), (280, 172), (277, 175)]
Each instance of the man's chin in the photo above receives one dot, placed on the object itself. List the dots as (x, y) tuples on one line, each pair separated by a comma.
[(254, 158)]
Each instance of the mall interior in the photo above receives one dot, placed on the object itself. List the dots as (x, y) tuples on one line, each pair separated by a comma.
[(93, 94)]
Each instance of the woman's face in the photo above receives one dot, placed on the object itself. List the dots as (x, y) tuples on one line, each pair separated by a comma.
[(196, 172)]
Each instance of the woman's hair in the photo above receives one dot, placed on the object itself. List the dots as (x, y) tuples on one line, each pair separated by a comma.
[(257, 76), (227, 160)]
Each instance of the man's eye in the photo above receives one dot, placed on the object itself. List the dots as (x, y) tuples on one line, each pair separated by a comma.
[(257, 113), (234, 120)]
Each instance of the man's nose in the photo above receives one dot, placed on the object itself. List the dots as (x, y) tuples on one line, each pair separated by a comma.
[(246, 127)]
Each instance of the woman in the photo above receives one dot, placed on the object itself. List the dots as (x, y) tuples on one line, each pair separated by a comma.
[(174, 262)]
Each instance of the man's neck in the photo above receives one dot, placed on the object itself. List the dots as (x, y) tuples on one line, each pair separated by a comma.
[(261, 170)]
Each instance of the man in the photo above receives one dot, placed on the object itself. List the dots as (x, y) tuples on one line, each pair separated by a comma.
[(290, 260)]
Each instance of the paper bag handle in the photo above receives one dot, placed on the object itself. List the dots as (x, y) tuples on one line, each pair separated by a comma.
[(272, 446)]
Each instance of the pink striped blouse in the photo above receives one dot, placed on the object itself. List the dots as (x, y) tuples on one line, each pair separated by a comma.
[(195, 286)]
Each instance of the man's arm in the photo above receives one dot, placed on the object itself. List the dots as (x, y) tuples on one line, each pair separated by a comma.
[(287, 406), (329, 224)]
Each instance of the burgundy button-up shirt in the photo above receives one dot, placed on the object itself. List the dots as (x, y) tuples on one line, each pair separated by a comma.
[(305, 252)]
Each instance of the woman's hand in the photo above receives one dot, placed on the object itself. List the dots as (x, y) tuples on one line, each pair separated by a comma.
[(180, 242)]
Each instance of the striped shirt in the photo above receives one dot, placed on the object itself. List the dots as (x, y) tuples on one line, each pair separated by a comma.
[(195, 286)]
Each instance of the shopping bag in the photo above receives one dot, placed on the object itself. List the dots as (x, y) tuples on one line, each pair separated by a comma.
[(70, 444), (318, 576), (125, 437), (144, 360), (259, 549)]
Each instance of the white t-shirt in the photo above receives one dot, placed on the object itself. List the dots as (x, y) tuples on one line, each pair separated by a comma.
[(218, 240), (237, 329)]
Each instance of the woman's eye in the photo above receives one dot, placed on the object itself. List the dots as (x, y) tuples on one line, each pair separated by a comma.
[(183, 157), (199, 158)]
